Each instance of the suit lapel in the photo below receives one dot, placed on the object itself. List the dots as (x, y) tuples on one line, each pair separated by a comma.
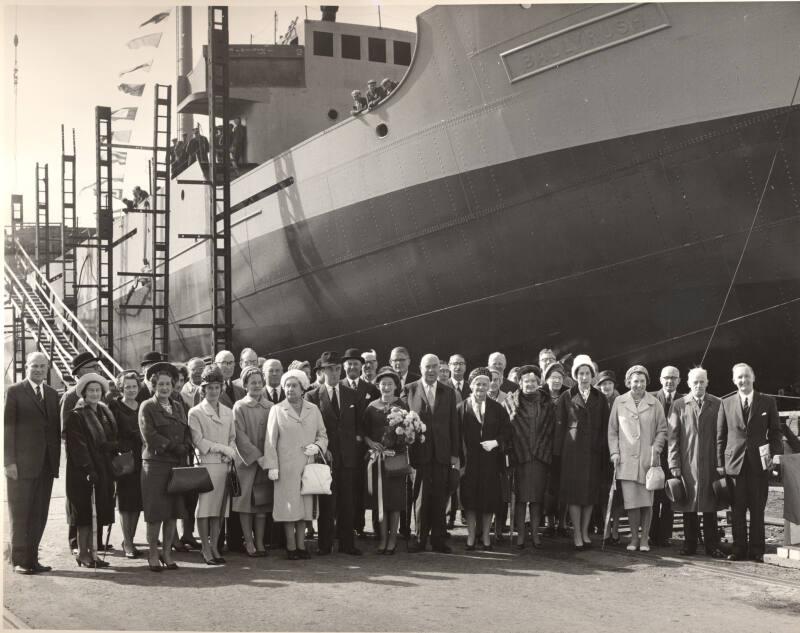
[(32, 395)]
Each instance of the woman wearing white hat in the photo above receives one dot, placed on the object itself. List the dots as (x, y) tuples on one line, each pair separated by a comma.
[(582, 416), (637, 433), (91, 440)]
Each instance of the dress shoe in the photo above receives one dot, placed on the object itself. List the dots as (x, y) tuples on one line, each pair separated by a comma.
[(219, 560), (734, 557), (390, 552), (303, 554), (41, 569), (578, 548), (323, 551), (25, 571), (416, 547), (470, 548), (442, 549), (353, 551), (644, 548), (105, 548), (715, 553), (632, 547), (687, 552), (757, 558), (487, 548), (191, 543), (291, 554)]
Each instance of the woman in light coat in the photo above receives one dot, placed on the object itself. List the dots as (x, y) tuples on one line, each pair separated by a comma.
[(295, 435), (693, 460), (637, 433), (214, 439), (250, 415)]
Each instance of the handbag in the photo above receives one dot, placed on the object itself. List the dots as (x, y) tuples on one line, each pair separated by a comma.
[(122, 464), (316, 478), (397, 465), (263, 492), (189, 479), (234, 485), (655, 478)]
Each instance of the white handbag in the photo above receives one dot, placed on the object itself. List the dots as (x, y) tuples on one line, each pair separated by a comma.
[(316, 478), (655, 478)]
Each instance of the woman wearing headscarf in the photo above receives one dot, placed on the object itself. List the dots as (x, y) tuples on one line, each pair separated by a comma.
[(250, 415), (637, 433), (295, 435), (533, 426), (214, 439), (91, 439), (393, 490), (129, 487), (167, 442), (581, 432), (485, 436)]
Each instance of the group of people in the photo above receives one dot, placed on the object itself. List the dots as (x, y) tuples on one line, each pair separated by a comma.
[(374, 95), (541, 444), (185, 151)]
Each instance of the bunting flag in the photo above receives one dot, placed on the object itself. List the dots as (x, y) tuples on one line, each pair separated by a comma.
[(132, 89), (122, 136), (119, 158), (154, 39), (145, 67), (158, 17), (124, 114)]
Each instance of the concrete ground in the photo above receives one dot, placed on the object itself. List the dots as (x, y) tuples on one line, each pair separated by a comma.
[(552, 589)]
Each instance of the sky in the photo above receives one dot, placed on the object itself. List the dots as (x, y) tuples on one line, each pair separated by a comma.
[(69, 59)]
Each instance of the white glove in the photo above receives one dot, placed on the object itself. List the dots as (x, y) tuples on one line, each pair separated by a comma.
[(489, 445), (311, 449), (615, 460), (227, 451), (273, 474)]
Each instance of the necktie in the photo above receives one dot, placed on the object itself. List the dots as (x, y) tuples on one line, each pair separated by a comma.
[(458, 384), (229, 391), (335, 401), (274, 397), (746, 410), (700, 405), (431, 395), (353, 384), (39, 392)]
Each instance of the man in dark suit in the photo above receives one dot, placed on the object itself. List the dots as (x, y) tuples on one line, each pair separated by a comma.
[(436, 405), (366, 392), (663, 516), (247, 358), (273, 370), (400, 360), (32, 454), (748, 424), (230, 391), (338, 405), (458, 376)]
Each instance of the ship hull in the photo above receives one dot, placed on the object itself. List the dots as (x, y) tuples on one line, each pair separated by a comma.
[(623, 248)]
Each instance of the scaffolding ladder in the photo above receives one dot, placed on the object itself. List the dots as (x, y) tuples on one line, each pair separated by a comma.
[(105, 230), (42, 254), (17, 325), (69, 278), (162, 128)]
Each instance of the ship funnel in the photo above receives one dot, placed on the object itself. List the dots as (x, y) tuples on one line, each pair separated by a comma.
[(329, 13)]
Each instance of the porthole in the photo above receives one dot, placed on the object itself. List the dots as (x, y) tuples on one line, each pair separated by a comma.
[(333, 114), (382, 130)]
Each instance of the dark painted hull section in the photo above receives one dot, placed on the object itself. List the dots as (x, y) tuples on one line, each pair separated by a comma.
[(623, 249)]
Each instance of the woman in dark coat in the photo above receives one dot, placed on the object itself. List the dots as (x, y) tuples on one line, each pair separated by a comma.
[(90, 432), (581, 427), (393, 489), (485, 436), (533, 426), (129, 487), (553, 377), (167, 441)]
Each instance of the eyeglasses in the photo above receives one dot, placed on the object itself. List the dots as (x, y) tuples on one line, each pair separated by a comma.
[(226, 362)]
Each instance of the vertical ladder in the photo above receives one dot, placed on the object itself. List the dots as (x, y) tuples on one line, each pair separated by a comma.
[(17, 316), (162, 128), (217, 86), (43, 219), (17, 217), (105, 230), (69, 278)]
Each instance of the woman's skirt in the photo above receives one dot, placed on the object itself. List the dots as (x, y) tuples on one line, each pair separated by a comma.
[(209, 504), (129, 491), (531, 481), (394, 491), (157, 504), (636, 495)]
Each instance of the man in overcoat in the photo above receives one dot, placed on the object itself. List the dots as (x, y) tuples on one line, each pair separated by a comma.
[(748, 424), (32, 451), (339, 407), (436, 456)]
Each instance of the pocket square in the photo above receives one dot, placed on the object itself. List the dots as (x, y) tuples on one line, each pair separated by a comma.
[(765, 413), (352, 406)]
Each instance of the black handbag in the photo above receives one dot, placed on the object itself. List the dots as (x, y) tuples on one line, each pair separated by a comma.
[(263, 492), (234, 485), (189, 479), (122, 464), (397, 465)]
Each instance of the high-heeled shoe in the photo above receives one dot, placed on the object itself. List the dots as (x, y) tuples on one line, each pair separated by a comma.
[(152, 567), (83, 563), (470, 548), (219, 560), (390, 552), (380, 551), (207, 560), (167, 565), (303, 554)]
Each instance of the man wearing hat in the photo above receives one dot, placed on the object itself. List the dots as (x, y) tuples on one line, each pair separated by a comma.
[(748, 443), (338, 405), (692, 446), (366, 392), (32, 452), (84, 363), (661, 526), (433, 459)]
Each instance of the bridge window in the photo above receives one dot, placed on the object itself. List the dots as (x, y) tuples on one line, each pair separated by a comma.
[(323, 44), (402, 53), (351, 46), (377, 49)]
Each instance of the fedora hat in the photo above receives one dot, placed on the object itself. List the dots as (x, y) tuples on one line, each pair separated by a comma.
[(151, 357), (722, 491), (676, 490), (83, 359), (329, 359), (352, 354)]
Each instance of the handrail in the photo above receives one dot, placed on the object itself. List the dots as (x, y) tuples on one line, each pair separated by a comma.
[(97, 347), (21, 290)]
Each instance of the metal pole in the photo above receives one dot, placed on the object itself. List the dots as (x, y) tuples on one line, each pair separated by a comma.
[(183, 43)]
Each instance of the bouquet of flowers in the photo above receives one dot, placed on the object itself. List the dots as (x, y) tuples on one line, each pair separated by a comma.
[(404, 429)]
